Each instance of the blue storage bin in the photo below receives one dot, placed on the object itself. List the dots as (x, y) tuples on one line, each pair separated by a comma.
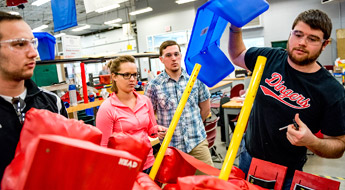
[(210, 22), (89, 111), (46, 45)]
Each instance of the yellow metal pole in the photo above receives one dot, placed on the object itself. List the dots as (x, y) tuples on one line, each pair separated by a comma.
[(174, 121), (243, 118)]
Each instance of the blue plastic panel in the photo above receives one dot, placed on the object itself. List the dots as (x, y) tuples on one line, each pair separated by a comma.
[(238, 12), (210, 22)]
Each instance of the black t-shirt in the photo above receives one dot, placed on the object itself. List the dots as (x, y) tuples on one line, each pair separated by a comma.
[(283, 92)]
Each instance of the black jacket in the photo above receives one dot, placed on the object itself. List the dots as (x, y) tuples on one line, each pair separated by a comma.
[(10, 126)]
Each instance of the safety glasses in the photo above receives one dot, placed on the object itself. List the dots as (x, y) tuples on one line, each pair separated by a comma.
[(21, 44)]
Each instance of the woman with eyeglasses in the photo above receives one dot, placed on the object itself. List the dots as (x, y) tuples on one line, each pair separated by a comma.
[(126, 111)]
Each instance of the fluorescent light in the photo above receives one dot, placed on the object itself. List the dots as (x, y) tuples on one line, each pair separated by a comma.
[(113, 21), (120, 1), (107, 8), (39, 2), (184, 1), (115, 25), (140, 11), (40, 28), (59, 35), (13, 13), (81, 28)]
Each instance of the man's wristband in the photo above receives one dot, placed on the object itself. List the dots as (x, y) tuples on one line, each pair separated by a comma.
[(235, 31)]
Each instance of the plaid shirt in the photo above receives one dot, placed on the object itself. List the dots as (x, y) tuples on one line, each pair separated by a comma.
[(165, 94)]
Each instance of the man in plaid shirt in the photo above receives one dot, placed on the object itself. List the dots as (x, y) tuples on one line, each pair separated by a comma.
[(165, 92)]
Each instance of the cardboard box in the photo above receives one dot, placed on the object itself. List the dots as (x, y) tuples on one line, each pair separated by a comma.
[(341, 43), (341, 33), (341, 65), (337, 69), (59, 57)]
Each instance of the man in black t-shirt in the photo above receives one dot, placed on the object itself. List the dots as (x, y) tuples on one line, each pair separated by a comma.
[(293, 86)]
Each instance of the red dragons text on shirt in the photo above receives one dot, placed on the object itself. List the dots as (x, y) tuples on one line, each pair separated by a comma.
[(283, 92)]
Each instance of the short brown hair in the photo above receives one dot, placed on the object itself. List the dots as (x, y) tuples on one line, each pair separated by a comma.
[(114, 66), (4, 16), (316, 19), (167, 43)]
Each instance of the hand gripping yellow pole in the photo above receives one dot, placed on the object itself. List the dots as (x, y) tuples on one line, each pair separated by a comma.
[(174, 121), (243, 118)]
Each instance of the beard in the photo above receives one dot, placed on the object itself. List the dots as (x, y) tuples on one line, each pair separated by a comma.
[(305, 60), (175, 70), (15, 75)]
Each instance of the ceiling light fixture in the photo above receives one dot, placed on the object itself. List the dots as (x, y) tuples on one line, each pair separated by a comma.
[(140, 11), (39, 2), (59, 35), (81, 28), (120, 1), (38, 29), (183, 1), (107, 8), (115, 25), (113, 21), (13, 13)]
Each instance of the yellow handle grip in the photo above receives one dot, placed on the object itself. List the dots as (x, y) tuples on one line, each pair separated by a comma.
[(243, 118), (174, 121)]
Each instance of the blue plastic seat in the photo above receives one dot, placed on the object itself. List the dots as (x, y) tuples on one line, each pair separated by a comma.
[(46, 45), (210, 22)]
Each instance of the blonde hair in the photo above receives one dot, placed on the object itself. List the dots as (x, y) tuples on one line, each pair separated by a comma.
[(114, 66)]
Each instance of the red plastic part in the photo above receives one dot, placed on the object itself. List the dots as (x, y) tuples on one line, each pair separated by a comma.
[(268, 171), (314, 182), (65, 163)]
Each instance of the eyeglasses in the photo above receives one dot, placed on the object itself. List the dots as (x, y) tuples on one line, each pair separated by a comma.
[(169, 55), (311, 39), (19, 105), (128, 75), (21, 44)]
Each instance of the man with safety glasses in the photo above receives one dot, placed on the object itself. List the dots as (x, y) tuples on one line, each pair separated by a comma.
[(295, 91), (18, 93)]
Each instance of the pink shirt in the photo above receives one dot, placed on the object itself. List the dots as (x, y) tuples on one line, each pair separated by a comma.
[(114, 116)]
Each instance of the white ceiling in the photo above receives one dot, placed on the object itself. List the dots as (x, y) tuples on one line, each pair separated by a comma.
[(37, 16)]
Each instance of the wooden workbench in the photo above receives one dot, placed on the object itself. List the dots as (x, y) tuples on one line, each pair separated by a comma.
[(232, 107), (220, 85), (72, 111)]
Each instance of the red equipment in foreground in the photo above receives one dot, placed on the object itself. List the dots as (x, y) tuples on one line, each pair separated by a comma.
[(177, 169), (213, 183), (64, 163), (59, 153)]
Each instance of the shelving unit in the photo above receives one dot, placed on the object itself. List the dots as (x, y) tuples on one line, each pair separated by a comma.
[(83, 61), (88, 60)]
